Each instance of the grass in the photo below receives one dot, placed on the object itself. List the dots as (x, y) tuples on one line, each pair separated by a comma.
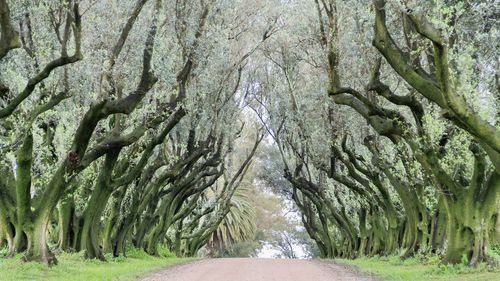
[(421, 269), (73, 267)]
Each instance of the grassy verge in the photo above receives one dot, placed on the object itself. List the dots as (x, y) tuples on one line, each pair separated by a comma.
[(421, 269), (73, 267)]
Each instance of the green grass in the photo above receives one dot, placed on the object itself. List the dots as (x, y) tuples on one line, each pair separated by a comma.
[(421, 269), (73, 267)]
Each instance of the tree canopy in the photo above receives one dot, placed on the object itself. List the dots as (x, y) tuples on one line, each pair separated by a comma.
[(158, 122)]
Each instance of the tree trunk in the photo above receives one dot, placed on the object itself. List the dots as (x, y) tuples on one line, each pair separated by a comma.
[(20, 238), (438, 229), (467, 225), (89, 241), (92, 216), (410, 239), (109, 231), (156, 234), (121, 232), (8, 236), (119, 243), (142, 227), (38, 249), (66, 214)]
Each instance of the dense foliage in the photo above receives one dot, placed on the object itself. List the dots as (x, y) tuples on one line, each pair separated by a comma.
[(122, 131), (136, 122), (385, 116)]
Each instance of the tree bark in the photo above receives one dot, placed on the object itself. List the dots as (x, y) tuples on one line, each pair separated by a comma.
[(90, 232), (66, 219)]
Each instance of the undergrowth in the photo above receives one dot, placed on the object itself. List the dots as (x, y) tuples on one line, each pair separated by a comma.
[(72, 266), (424, 267)]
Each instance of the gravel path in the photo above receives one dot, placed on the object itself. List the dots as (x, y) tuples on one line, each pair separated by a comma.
[(246, 269)]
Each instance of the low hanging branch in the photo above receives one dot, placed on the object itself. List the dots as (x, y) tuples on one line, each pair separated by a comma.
[(442, 91), (73, 19)]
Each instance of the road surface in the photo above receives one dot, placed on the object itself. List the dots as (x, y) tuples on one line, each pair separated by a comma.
[(247, 269)]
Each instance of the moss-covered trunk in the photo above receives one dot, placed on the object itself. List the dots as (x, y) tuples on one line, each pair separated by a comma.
[(23, 225), (164, 223), (112, 221), (378, 237), (66, 212), (90, 232), (38, 249), (37, 232), (469, 219), (438, 232), (143, 225), (363, 232), (7, 235), (119, 242), (466, 238), (89, 241), (122, 231)]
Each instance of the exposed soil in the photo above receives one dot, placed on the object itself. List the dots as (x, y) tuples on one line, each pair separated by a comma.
[(248, 269)]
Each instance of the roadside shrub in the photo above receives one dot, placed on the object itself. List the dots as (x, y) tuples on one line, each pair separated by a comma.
[(464, 268), (117, 259), (137, 253), (460, 268), (3, 252), (494, 251), (163, 251)]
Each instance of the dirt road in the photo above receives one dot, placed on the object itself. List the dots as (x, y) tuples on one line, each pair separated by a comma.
[(242, 269)]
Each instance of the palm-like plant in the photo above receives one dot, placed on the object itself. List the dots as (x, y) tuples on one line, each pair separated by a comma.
[(238, 225)]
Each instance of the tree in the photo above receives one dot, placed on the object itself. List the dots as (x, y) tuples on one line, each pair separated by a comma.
[(378, 119), (88, 143), (401, 157)]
